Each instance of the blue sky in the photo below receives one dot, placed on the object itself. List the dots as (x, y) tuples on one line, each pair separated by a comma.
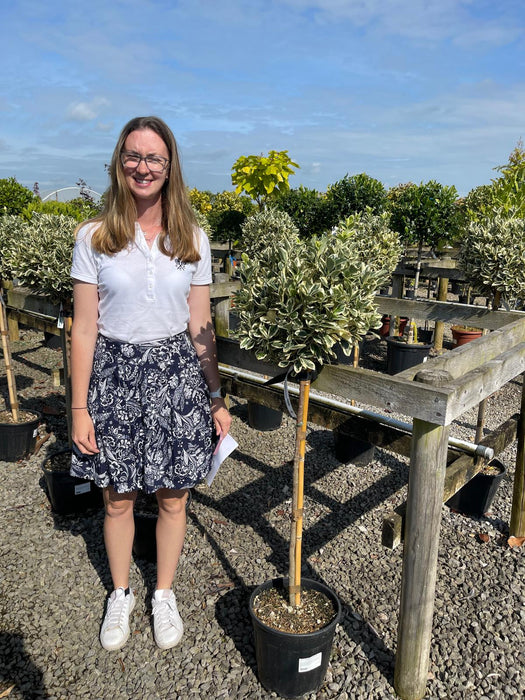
[(404, 91)]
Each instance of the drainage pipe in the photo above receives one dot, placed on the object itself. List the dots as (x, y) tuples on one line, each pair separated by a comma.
[(486, 453)]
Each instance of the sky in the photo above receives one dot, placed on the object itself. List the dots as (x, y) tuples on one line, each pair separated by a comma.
[(405, 91)]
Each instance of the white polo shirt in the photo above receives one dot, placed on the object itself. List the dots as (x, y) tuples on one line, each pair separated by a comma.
[(142, 293)]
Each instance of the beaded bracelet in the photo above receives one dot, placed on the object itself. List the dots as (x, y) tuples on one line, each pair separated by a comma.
[(79, 408)]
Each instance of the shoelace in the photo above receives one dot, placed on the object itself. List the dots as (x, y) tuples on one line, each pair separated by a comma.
[(165, 612), (116, 614)]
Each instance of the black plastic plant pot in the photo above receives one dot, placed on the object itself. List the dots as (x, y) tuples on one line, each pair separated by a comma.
[(68, 494), (424, 335), (476, 496), (293, 664), (263, 418), (145, 540), (401, 355), (17, 440), (351, 449)]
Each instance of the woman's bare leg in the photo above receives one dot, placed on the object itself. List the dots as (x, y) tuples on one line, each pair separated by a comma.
[(171, 530), (119, 530)]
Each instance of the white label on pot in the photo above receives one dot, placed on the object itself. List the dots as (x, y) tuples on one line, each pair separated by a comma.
[(35, 432), (310, 663), (425, 359), (82, 488)]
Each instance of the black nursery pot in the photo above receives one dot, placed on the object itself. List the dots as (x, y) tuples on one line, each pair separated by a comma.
[(351, 449), (262, 417), (293, 664), (145, 539), (476, 496), (17, 440), (401, 355), (68, 494)]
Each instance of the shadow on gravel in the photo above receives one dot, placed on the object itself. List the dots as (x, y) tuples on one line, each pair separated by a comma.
[(18, 670)]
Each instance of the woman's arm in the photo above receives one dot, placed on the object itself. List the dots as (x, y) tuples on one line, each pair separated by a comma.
[(83, 339), (202, 334)]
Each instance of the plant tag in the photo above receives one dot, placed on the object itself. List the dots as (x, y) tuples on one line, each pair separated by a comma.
[(60, 319), (425, 359), (35, 432), (82, 488), (310, 663)]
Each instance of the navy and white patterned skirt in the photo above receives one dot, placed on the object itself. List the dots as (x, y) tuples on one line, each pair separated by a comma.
[(150, 406)]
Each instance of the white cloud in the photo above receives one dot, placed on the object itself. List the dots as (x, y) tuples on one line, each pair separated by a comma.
[(86, 111)]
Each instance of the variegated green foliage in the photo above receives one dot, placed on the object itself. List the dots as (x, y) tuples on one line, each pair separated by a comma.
[(41, 255), (493, 256), (12, 228), (265, 227), (372, 240), (299, 298)]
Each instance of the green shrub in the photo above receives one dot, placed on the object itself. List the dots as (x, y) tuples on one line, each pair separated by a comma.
[(298, 298), (13, 231), (310, 210), (372, 241), (13, 196), (492, 254), (425, 214), (78, 209), (227, 214), (353, 194), (42, 256), (266, 227)]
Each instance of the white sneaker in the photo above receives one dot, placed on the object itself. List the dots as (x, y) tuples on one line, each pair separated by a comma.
[(115, 628), (167, 623)]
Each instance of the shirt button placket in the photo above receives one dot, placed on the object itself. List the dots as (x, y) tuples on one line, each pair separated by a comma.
[(150, 279)]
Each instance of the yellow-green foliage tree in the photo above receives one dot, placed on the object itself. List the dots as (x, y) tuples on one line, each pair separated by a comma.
[(263, 178)]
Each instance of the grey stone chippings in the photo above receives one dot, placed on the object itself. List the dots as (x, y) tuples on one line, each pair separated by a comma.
[(54, 575)]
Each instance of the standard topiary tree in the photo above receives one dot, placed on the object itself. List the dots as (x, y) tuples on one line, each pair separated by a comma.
[(298, 299), (492, 255)]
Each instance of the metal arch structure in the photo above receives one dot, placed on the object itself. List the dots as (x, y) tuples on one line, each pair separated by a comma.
[(75, 187)]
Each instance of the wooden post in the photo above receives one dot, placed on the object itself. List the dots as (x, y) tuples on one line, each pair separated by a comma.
[(442, 291), (517, 519), (12, 324), (424, 505)]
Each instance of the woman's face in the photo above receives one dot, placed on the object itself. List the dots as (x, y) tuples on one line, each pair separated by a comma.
[(145, 184)]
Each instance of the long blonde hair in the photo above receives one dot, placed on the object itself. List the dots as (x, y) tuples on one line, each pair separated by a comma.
[(117, 221)]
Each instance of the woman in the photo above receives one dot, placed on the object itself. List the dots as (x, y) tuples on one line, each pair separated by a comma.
[(146, 400)]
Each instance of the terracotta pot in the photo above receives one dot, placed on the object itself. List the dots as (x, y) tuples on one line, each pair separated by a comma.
[(461, 335)]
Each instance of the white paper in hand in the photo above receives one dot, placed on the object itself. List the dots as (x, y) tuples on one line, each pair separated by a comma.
[(224, 449)]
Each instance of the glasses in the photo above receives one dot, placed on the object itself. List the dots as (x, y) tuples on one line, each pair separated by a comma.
[(154, 163)]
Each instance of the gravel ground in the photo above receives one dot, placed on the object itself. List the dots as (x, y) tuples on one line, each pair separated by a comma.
[(54, 575)]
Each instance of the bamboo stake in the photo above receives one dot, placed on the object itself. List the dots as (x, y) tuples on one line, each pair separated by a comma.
[(10, 372), (296, 529), (517, 519)]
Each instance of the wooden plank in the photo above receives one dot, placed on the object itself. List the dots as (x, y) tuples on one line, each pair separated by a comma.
[(464, 314), (477, 352), (483, 381), (376, 389), (224, 289), (420, 555), (458, 473), (23, 299), (39, 323)]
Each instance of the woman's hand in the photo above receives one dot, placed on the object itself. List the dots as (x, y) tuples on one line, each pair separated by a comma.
[(83, 432), (221, 417)]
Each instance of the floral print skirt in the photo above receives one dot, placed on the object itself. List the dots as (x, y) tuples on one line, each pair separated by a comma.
[(150, 407)]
